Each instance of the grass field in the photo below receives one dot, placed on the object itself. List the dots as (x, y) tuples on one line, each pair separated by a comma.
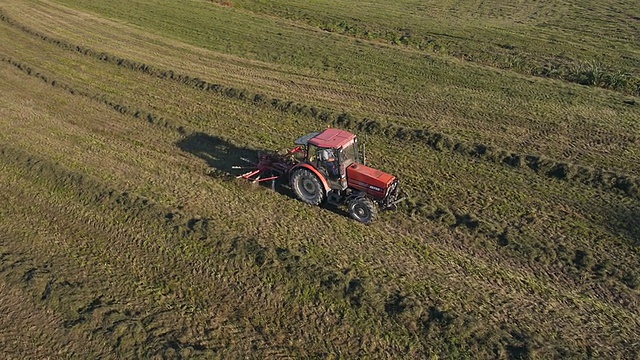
[(124, 234)]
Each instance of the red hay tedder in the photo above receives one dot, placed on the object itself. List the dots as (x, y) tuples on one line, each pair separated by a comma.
[(325, 167)]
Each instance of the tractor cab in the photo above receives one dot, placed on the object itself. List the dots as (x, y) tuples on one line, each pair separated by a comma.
[(331, 152)]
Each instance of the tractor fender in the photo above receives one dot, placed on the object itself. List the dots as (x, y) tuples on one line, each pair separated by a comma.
[(315, 171)]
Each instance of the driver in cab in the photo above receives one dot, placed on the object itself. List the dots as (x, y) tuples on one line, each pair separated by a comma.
[(328, 160)]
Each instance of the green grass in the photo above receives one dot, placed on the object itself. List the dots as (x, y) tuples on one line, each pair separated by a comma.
[(99, 173), (529, 38), (512, 111), (139, 252), (525, 37)]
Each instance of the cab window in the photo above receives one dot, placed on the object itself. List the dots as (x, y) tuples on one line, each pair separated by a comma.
[(312, 152)]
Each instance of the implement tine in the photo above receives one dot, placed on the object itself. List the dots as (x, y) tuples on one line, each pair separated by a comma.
[(247, 160), (249, 174)]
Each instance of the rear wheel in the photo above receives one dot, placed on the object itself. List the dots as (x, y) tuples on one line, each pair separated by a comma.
[(307, 187), (363, 210)]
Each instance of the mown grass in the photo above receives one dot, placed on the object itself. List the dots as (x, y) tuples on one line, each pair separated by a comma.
[(448, 216), (449, 212), (405, 87), (150, 282), (559, 169), (157, 281), (213, 269), (536, 39), (332, 248), (530, 39)]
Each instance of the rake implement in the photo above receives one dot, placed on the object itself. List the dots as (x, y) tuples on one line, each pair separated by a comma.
[(270, 166)]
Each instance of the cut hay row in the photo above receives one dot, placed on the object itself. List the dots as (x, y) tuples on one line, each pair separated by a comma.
[(584, 126), (610, 180), (418, 206), (524, 115), (415, 206), (123, 109), (130, 332), (590, 73)]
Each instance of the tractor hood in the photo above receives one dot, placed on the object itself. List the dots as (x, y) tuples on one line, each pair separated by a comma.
[(362, 176)]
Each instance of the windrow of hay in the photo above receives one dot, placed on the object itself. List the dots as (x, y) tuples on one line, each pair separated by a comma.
[(425, 319), (609, 180), (417, 205), (589, 73)]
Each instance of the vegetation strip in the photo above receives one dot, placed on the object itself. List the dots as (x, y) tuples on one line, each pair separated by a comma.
[(414, 206), (559, 169), (425, 319), (589, 73)]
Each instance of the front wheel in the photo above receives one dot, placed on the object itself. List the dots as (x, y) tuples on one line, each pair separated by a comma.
[(307, 187), (363, 210)]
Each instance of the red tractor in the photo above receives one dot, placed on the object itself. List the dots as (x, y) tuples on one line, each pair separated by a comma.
[(325, 167)]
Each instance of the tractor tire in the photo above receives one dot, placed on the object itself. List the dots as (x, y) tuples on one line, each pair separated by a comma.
[(307, 187), (363, 210)]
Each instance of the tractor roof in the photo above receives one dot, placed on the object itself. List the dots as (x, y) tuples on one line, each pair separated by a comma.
[(331, 138), (303, 140)]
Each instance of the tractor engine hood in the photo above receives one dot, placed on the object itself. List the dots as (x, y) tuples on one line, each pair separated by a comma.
[(368, 179)]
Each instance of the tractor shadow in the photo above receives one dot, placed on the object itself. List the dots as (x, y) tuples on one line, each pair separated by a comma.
[(221, 157), (219, 154)]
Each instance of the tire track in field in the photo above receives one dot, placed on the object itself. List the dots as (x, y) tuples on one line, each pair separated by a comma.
[(610, 180), (416, 205)]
